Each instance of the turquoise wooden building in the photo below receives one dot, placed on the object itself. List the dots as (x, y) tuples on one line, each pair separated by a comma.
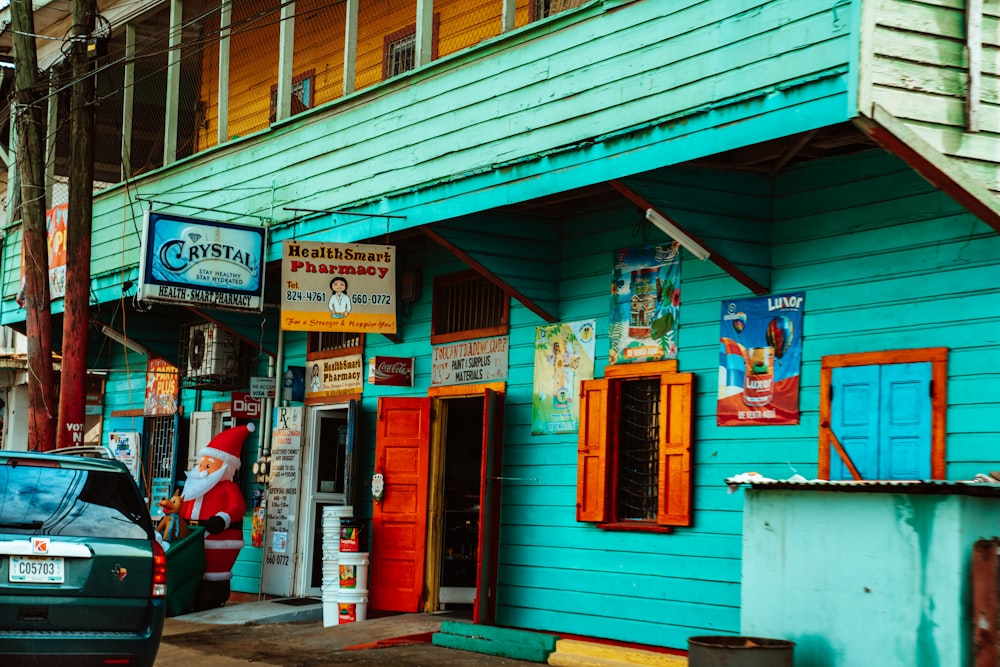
[(841, 150)]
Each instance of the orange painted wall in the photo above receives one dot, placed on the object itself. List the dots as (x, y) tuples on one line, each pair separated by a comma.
[(319, 47)]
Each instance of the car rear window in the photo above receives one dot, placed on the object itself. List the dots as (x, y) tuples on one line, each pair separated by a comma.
[(73, 503)]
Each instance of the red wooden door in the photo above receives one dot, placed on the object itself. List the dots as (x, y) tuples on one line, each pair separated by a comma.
[(399, 521), (484, 610)]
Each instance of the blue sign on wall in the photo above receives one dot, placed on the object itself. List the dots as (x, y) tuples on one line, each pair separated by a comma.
[(202, 263)]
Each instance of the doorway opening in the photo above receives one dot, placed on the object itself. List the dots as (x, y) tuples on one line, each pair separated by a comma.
[(329, 481), (461, 456)]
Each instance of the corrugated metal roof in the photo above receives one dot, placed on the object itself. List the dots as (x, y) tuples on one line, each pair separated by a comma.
[(917, 487)]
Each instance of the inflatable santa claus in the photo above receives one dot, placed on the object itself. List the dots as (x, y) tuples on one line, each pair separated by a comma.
[(213, 500)]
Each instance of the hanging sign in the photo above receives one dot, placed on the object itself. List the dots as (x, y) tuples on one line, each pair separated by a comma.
[(645, 304), (760, 355), (470, 361), (336, 376), (161, 388), (564, 357), (202, 263), (282, 502), (338, 287)]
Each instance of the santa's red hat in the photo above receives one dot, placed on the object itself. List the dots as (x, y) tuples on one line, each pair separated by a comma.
[(228, 445)]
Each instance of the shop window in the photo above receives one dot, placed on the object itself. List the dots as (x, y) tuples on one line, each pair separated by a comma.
[(634, 455), (302, 94), (467, 305), (325, 344), (882, 415), (400, 53)]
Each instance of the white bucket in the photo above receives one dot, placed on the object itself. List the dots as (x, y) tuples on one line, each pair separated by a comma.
[(353, 571), (338, 511), (331, 612), (352, 606)]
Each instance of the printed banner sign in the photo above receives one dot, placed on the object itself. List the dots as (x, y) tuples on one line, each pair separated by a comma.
[(202, 263), (760, 356), (282, 502), (391, 371), (262, 386), (338, 287), (336, 376), (470, 361), (55, 229), (564, 357), (162, 381), (645, 304)]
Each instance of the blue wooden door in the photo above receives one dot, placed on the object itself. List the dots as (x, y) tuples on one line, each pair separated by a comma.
[(881, 414)]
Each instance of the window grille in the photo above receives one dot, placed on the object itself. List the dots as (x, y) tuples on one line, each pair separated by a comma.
[(639, 450), (159, 436), (542, 8), (401, 55), (302, 97), (334, 341), (469, 303)]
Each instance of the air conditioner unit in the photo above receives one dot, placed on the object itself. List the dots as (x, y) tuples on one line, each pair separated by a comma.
[(211, 352)]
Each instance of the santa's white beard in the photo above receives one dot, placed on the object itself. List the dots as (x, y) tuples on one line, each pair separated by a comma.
[(200, 482)]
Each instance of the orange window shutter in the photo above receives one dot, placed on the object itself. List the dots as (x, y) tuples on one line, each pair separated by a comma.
[(676, 396), (592, 454)]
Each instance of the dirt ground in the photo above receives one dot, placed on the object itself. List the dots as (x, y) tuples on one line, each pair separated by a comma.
[(309, 644)]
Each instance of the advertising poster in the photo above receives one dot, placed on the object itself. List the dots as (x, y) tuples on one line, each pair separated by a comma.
[(162, 382), (760, 359), (645, 304), (124, 446), (564, 356), (55, 228), (470, 361), (202, 263), (338, 287), (336, 376)]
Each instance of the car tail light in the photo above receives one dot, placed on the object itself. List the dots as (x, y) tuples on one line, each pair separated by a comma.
[(159, 571)]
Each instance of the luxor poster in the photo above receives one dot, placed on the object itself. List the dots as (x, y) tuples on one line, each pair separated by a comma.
[(564, 356), (645, 304), (760, 357)]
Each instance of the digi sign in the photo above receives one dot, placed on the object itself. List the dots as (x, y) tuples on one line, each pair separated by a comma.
[(244, 406)]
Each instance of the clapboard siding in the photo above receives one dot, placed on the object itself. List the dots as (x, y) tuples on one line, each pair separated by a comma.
[(915, 65), (578, 86)]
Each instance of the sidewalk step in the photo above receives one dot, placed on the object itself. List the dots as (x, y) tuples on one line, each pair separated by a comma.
[(575, 653), (503, 642)]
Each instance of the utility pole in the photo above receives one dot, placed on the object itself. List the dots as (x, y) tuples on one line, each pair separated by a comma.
[(79, 223), (34, 239)]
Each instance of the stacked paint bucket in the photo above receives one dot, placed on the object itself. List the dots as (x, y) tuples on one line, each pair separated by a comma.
[(333, 515), (352, 592)]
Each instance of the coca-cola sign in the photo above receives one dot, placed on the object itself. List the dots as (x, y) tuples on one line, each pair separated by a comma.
[(391, 371)]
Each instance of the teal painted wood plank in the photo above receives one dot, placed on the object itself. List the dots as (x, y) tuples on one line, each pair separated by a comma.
[(496, 634), (662, 586), (516, 650), (651, 632)]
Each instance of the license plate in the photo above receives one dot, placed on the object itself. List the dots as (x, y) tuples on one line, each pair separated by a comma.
[(36, 570)]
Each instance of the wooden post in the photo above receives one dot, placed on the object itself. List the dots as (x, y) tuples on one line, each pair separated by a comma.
[(29, 120), (76, 302)]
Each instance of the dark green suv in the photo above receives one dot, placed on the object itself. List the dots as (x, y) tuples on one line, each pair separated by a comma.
[(82, 579)]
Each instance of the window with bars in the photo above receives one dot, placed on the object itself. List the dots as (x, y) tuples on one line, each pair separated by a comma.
[(302, 94), (634, 454), (400, 50), (467, 305), (401, 55), (334, 343), (542, 8)]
